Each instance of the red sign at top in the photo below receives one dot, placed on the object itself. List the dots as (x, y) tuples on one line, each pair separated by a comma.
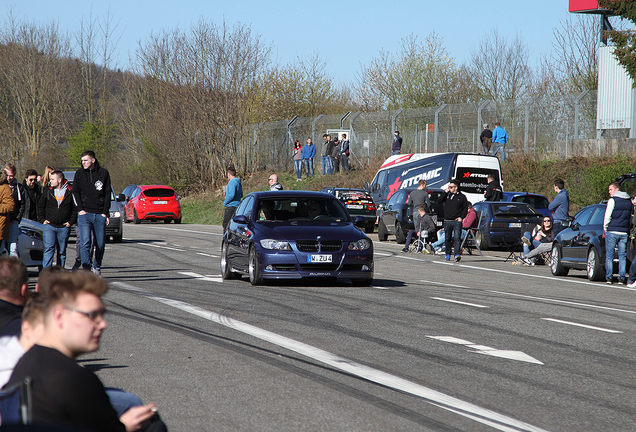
[(584, 6)]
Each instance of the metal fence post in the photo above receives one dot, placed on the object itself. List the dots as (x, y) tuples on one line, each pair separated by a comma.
[(577, 108), (313, 128), (483, 105), (439, 110)]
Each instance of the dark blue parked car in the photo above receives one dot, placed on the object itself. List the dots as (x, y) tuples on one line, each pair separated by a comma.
[(294, 235), (539, 202), (503, 223)]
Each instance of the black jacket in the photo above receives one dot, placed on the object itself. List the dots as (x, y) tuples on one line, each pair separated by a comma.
[(57, 215), (493, 191), (92, 190), (31, 204), (455, 205), (19, 198)]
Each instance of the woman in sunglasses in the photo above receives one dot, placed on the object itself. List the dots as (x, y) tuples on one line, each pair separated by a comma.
[(538, 242)]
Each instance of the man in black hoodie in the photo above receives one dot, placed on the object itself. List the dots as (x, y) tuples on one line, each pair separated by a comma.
[(57, 212), (455, 210), (33, 193), (493, 191), (91, 189)]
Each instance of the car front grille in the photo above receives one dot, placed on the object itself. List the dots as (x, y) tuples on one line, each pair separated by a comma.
[(315, 246)]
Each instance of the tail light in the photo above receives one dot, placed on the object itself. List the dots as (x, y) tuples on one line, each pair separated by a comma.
[(142, 199), (371, 207), (499, 225)]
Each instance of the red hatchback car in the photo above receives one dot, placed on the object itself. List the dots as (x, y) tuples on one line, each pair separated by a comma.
[(154, 202)]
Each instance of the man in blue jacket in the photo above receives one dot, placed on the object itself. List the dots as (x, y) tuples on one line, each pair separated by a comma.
[(233, 195), (616, 224), (499, 140), (308, 154), (560, 207)]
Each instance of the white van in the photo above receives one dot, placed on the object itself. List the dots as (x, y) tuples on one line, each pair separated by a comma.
[(438, 169)]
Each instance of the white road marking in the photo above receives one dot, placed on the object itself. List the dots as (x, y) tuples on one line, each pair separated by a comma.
[(202, 278), (565, 302), (207, 255), (445, 284), (161, 247), (441, 400), (458, 302), (381, 254), (486, 350), (582, 325)]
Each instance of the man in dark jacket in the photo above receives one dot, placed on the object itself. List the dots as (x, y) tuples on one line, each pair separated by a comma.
[(455, 210), (91, 188), (396, 147), (15, 217), (57, 212), (33, 193), (486, 139), (493, 190), (14, 291)]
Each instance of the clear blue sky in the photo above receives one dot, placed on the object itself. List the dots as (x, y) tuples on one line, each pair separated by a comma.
[(345, 33)]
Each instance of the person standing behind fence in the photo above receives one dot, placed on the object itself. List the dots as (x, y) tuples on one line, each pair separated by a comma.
[(335, 156), (499, 140), (309, 152), (297, 153), (397, 143), (486, 139), (233, 195), (344, 153), (327, 166)]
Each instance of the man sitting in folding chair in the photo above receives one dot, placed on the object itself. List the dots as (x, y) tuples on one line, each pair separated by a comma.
[(425, 227), (537, 243)]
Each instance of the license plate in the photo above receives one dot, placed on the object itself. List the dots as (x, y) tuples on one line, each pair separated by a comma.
[(160, 202), (355, 206), (320, 258), (514, 225)]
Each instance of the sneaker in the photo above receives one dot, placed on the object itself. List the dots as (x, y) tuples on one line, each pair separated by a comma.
[(632, 285), (96, 271), (458, 258), (526, 261), (405, 250), (447, 258), (439, 251), (608, 281), (429, 248), (621, 281), (526, 241), (77, 265), (426, 251)]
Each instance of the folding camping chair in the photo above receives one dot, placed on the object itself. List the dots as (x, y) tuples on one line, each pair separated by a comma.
[(15, 404), (470, 241)]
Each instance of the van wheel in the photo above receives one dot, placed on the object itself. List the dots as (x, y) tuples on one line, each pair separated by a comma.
[(382, 231)]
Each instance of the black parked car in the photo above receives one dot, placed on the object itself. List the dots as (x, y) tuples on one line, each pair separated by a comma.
[(397, 216), (582, 246), (358, 203)]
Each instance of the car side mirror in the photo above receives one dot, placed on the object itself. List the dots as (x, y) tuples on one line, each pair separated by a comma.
[(121, 197), (366, 186), (240, 219)]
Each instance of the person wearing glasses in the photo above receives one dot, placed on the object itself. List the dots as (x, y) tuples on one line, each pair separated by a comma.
[(273, 183), (540, 241), (33, 193), (455, 211), (64, 393)]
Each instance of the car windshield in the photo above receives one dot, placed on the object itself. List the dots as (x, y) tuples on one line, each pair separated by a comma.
[(301, 209), (159, 193), (537, 202), (511, 208)]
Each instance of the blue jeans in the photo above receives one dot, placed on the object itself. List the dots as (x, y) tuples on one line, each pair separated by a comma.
[(441, 238), (298, 164), (395, 152), (612, 240), (453, 231), (121, 400), (327, 167), (55, 238), (309, 167), (92, 223), (344, 162), (535, 243), (497, 146)]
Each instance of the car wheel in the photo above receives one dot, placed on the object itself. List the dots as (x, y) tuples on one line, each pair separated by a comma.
[(118, 238), (400, 235), (177, 221), (369, 228), (137, 220), (362, 282), (557, 264), (254, 268), (382, 231), (595, 270), (166, 221), (226, 272), (481, 241)]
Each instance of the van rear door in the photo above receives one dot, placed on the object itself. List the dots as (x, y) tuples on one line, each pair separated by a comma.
[(472, 173)]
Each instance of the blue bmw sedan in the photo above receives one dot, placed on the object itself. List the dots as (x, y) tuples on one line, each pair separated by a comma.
[(294, 235)]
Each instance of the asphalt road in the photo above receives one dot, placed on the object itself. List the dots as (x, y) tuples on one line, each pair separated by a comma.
[(432, 346)]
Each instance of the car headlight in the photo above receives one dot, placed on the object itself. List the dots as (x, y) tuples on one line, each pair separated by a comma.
[(362, 244), (115, 214), (275, 244), (31, 233)]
